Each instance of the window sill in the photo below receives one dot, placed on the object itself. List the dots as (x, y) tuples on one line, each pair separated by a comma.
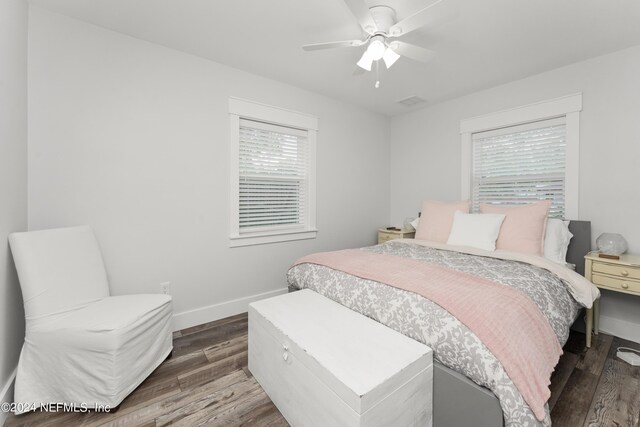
[(249, 240)]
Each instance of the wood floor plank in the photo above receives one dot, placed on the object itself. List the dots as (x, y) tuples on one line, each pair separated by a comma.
[(213, 371), (227, 349), (277, 421), (247, 371), (561, 375), (571, 407), (265, 415), (593, 360), (208, 337), (617, 401), (216, 324), (228, 414), (175, 366), (617, 397), (175, 403), (44, 419), (249, 411), (209, 408), (139, 400)]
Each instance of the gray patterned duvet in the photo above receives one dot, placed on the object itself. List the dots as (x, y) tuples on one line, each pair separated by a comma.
[(453, 344)]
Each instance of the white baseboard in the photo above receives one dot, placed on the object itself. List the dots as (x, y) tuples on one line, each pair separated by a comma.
[(620, 328), (6, 395), (187, 319)]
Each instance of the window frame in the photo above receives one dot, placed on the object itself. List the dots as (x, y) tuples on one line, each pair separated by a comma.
[(250, 110), (568, 107)]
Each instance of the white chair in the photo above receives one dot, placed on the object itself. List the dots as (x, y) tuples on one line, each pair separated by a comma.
[(81, 345)]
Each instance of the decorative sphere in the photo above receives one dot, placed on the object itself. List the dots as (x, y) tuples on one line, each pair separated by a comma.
[(611, 244)]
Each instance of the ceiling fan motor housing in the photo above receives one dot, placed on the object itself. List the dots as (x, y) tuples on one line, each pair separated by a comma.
[(384, 17)]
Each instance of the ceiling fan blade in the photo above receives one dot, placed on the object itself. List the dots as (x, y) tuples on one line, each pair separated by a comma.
[(361, 11), (436, 12), (331, 45), (412, 51)]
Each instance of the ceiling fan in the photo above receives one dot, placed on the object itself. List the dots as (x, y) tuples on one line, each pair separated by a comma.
[(381, 29)]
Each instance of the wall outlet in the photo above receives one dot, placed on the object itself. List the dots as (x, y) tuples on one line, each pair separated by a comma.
[(165, 287)]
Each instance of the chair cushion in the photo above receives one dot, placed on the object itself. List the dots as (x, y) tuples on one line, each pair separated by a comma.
[(112, 314)]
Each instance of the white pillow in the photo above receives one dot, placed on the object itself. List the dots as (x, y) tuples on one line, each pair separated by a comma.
[(476, 230), (556, 240)]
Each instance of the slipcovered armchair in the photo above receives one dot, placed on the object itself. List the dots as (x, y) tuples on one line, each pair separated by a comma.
[(81, 345)]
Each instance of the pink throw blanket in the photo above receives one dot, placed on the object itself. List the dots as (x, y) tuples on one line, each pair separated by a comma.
[(509, 324)]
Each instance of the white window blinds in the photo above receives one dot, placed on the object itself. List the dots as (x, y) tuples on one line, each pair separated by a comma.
[(273, 177), (521, 164)]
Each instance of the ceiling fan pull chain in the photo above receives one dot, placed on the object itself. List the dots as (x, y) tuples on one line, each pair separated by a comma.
[(377, 85)]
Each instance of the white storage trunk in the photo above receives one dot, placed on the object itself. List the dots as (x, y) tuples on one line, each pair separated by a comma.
[(325, 365)]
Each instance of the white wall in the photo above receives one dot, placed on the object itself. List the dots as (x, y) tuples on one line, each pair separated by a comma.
[(132, 139), (13, 181), (425, 153)]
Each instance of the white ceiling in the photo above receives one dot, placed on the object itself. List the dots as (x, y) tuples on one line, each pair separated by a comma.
[(479, 44)]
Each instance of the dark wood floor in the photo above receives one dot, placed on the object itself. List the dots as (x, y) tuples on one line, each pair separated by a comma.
[(595, 388), (207, 383)]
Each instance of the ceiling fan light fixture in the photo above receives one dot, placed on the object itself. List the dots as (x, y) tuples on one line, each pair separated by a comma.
[(366, 61), (390, 57), (376, 49)]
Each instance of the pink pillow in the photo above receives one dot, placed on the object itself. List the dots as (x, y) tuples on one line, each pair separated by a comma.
[(437, 218), (523, 228)]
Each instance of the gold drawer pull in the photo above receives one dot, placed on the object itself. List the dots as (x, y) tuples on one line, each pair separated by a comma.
[(625, 286), (625, 273)]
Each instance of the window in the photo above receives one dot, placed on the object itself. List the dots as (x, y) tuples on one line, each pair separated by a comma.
[(520, 164), (272, 174), (272, 177), (523, 155)]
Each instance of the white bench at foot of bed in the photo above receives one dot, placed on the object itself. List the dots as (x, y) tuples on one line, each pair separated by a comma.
[(323, 364)]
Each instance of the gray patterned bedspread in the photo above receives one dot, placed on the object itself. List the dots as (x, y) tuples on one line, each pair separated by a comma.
[(453, 344)]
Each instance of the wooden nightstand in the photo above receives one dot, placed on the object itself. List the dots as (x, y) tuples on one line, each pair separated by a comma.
[(618, 275), (385, 235)]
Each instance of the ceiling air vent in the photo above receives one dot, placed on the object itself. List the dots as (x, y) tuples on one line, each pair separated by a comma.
[(411, 101)]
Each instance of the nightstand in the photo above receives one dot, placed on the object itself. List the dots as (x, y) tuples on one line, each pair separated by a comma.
[(617, 275), (385, 235)]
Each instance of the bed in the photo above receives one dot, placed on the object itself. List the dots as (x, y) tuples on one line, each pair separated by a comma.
[(471, 386)]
